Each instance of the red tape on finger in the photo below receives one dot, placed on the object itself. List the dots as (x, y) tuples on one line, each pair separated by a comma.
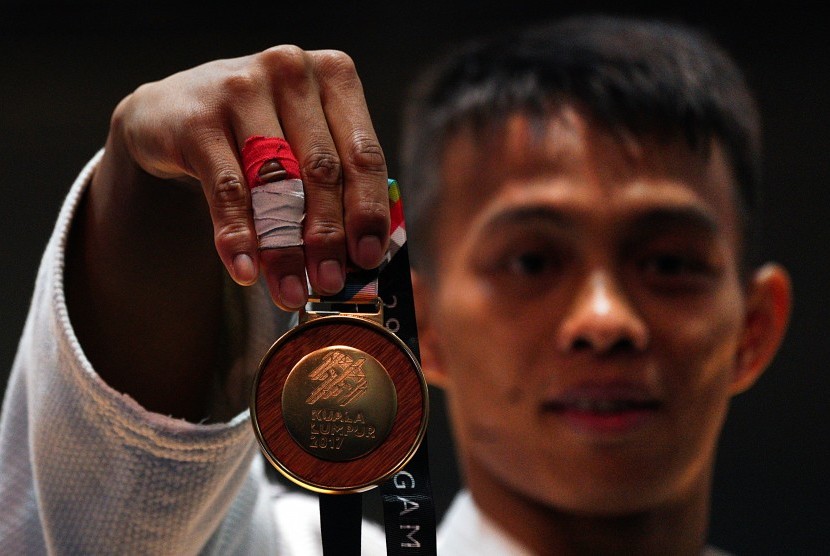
[(259, 149), (278, 206)]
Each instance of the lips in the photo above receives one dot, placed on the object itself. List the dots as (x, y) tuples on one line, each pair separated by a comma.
[(591, 405), (611, 408)]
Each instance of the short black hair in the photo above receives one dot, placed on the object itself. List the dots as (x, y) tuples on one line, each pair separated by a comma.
[(639, 76)]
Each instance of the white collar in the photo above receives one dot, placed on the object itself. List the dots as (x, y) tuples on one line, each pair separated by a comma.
[(465, 530)]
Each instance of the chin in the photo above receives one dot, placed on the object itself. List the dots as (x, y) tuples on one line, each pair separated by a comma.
[(606, 505), (620, 496)]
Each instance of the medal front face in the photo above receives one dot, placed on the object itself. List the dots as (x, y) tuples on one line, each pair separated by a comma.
[(339, 404)]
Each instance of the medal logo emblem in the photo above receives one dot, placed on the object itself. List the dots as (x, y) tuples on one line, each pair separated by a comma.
[(339, 403), (344, 380)]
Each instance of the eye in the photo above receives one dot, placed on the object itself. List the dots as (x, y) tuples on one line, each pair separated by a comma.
[(668, 264), (679, 271), (536, 266), (531, 263), (519, 254)]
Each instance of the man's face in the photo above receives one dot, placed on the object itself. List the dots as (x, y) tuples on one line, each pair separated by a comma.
[(587, 314)]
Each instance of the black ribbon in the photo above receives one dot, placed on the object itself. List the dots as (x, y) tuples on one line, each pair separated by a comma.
[(408, 508), (341, 516)]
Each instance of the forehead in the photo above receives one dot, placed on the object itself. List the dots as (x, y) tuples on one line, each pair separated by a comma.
[(567, 163)]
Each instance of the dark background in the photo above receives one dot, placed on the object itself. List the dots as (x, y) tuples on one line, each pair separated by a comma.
[(64, 67)]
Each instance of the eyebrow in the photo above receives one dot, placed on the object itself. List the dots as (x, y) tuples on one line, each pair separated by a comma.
[(690, 217), (526, 214), (686, 217)]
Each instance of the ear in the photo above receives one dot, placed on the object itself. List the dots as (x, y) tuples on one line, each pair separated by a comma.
[(769, 301), (427, 336)]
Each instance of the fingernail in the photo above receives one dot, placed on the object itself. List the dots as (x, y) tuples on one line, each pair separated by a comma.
[(292, 291), (330, 276), (369, 252), (243, 269)]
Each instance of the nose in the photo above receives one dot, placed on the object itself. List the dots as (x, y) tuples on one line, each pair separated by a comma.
[(601, 319)]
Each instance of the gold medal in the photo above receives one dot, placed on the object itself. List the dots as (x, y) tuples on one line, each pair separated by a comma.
[(339, 404)]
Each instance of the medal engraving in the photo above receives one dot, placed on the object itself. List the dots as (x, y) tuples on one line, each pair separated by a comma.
[(339, 403)]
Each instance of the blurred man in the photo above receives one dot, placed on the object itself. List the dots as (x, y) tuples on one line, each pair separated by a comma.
[(581, 209)]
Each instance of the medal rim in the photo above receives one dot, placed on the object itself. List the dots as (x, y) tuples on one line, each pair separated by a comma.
[(393, 469)]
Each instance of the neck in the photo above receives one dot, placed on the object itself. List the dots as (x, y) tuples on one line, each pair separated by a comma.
[(677, 527)]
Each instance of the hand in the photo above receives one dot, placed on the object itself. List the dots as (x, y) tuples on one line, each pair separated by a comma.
[(194, 123), (145, 290)]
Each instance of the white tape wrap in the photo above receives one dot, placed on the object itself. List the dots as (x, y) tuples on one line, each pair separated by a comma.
[(279, 209)]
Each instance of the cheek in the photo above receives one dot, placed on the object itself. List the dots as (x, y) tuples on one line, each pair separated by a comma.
[(484, 355), (700, 347), (698, 353), (476, 342)]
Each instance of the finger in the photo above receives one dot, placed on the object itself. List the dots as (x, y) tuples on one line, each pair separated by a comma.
[(283, 267), (216, 166), (365, 197), (287, 286), (301, 115)]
